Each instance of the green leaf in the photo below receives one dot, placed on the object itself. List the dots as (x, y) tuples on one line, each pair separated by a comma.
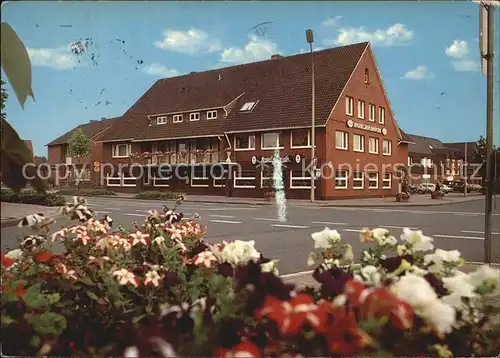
[(16, 63), (6, 320), (34, 300), (53, 298), (87, 281), (92, 295), (9, 297), (35, 341), (137, 319), (14, 156), (46, 323)]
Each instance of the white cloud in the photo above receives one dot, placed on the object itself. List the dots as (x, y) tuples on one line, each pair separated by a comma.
[(457, 49), (191, 42), (396, 34), (419, 73), (466, 65), (60, 58), (333, 21), (157, 69), (257, 49)]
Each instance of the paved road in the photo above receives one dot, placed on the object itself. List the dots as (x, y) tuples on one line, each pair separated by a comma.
[(455, 226)]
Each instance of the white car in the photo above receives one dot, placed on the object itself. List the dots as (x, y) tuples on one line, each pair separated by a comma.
[(426, 188)]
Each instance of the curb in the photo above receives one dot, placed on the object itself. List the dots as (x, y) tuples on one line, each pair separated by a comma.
[(9, 222)]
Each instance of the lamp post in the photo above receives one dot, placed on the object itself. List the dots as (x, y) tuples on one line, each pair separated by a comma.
[(310, 40)]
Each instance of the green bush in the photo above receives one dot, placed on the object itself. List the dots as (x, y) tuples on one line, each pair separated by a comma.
[(158, 195), (86, 192), (32, 197)]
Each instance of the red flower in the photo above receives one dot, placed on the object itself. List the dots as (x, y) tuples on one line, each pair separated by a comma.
[(19, 291), (291, 315), (353, 290), (382, 303), (7, 261), (244, 349), (343, 336), (43, 256)]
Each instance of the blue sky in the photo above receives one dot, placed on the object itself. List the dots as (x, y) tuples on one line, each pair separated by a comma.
[(422, 50)]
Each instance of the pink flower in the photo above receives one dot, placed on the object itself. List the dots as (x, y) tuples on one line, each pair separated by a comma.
[(66, 272), (126, 277), (152, 277), (139, 238), (59, 235), (205, 259)]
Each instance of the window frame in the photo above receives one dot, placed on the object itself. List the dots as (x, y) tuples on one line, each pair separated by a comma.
[(381, 115), (362, 111), (192, 116), (349, 106), (236, 177), (370, 180), (377, 145), (300, 146), (385, 180), (177, 118), (343, 178), (367, 75), (248, 106), (292, 178), (355, 179), (390, 147), (361, 141), (370, 112), (211, 116), (163, 120), (193, 177), (115, 150), (345, 137), (237, 149), (278, 134)]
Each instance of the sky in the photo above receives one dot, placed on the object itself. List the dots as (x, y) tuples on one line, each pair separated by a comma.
[(427, 53)]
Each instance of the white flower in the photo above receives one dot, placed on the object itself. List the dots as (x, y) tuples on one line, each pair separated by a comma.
[(331, 263), (14, 254), (205, 259), (348, 254), (459, 285), (418, 271), (270, 267), (125, 277), (371, 275), (438, 258), (340, 300), (152, 277), (401, 250), (417, 240), (415, 290), (310, 259), (176, 233), (382, 237), (239, 253), (441, 315), (131, 352), (139, 238), (125, 244), (159, 240), (485, 275), (61, 234), (324, 239)]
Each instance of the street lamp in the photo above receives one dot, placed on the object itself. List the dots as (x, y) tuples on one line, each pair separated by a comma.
[(310, 40)]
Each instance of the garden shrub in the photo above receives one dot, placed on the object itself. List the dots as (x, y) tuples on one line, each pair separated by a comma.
[(160, 290), (86, 192), (32, 197), (158, 195)]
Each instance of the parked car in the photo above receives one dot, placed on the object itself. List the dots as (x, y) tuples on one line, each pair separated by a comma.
[(426, 188), (459, 187), (446, 189)]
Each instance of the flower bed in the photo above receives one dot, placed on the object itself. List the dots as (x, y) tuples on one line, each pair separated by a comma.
[(160, 290), (158, 195)]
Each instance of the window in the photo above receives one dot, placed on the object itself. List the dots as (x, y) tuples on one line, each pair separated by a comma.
[(386, 147), (300, 139), (387, 181), (367, 76), (349, 104), (211, 114), (410, 161), (161, 120), (267, 178), (218, 177), (199, 177), (341, 140), (371, 114), (381, 115), (358, 143), (244, 179), (300, 180), (194, 116), (358, 180), (177, 118), (248, 106), (361, 109), (270, 140), (341, 179), (244, 142), (373, 180), (373, 145), (121, 150)]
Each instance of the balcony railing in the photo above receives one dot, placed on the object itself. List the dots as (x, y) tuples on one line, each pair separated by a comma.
[(183, 157)]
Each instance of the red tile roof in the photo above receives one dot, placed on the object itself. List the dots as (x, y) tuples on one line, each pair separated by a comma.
[(281, 86), (90, 129)]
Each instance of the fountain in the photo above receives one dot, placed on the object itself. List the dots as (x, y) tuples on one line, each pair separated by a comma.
[(279, 187)]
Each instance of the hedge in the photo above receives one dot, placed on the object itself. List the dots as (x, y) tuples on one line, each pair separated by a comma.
[(32, 197)]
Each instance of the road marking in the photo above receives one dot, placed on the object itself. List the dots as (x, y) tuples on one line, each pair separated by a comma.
[(291, 226), (459, 237), (478, 232), (352, 230), (130, 214), (222, 216), (467, 214), (266, 219), (101, 212), (225, 221), (300, 273), (326, 223), (397, 227), (112, 209)]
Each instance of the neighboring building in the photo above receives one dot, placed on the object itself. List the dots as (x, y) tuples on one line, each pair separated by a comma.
[(217, 128), (29, 144), (58, 151)]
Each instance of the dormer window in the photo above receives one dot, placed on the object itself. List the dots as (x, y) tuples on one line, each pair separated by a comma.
[(211, 114), (161, 120), (194, 116), (177, 118), (248, 106)]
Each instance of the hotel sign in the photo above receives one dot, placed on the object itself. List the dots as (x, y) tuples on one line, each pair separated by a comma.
[(366, 127)]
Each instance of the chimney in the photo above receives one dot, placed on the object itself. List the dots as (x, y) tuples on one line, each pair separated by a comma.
[(93, 121), (276, 56)]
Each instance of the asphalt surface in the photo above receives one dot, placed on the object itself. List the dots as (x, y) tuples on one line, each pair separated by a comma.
[(453, 226)]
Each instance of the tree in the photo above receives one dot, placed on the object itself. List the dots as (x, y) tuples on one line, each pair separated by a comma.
[(479, 155), (79, 144), (4, 97)]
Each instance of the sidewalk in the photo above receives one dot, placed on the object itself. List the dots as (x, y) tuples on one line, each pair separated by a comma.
[(12, 213)]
